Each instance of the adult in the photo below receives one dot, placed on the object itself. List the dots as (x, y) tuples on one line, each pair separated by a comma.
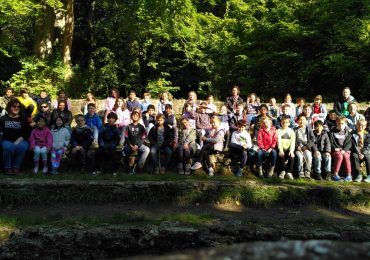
[(192, 101), (63, 112), (341, 105), (233, 100), (14, 133), (62, 96), (4, 100)]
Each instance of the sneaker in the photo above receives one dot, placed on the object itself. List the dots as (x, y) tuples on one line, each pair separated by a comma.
[(239, 172), (319, 177), (94, 173), (260, 171), (282, 175), (115, 174), (36, 169), (180, 169), (196, 166), (307, 174), (367, 179), (336, 177), (358, 178), (211, 172), (132, 170), (8, 171), (187, 169), (45, 170), (271, 172), (301, 175), (16, 170), (348, 178), (289, 175), (95, 145), (328, 176)]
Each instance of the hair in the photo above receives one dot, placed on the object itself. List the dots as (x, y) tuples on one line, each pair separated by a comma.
[(263, 105), (22, 91), (300, 116), (361, 121), (285, 117), (301, 99), (184, 119), (168, 106), (93, 97), (146, 94), (159, 116), (210, 96), (151, 107), (114, 90), (346, 88), (306, 106), (266, 118), (318, 97), (132, 92), (352, 104), (61, 118), (91, 105), (134, 112), (123, 106), (64, 102), (11, 103), (318, 122), (112, 115), (341, 119), (242, 122), (39, 117), (168, 94), (241, 104), (203, 104), (252, 94), (285, 105), (43, 90), (80, 116), (9, 88), (62, 91), (288, 95), (193, 92), (236, 87), (332, 112)]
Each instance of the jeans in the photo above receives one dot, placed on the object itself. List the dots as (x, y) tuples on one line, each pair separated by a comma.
[(324, 159), (204, 154), (357, 163), (11, 150), (143, 150), (183, 155), (40, 151), (289, 166), (238, 149), (304, 160), (263, 154), (155, 157)]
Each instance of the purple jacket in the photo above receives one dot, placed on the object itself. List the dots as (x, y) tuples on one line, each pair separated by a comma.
[(41, 137)]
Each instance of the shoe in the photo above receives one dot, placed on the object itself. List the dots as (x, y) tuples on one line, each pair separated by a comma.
[(348, 178), (211, 172), (196, 166), (187, 169), (358, 178), (95, 145), (163, 170), (301, 175), (180, 169), (367, 179), (36, 169), (239, 172), (282, 175), (132, 170), (328, 176), (307, 174), (319, 177), (336, 177), (115, 174), (54, 171), (45, 170), (94, 173), (260, 171), (271, 172), (289, 175)]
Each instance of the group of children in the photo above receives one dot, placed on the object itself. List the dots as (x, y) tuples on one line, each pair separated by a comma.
[(296, 141)]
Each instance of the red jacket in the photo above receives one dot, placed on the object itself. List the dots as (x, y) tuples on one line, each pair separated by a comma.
[(267, 139)]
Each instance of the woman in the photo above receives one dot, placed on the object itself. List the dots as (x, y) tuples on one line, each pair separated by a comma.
[(14, 133)]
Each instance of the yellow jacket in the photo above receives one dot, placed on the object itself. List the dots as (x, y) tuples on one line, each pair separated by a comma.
[(26, 102)]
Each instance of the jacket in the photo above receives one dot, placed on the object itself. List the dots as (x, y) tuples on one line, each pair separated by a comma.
[(216, 137), (347, 145), (310, 138), (61, 137), (267, 139), (93, 120), (321, 143), (41, 137), (168, 136), (82, 136), (339, 106), (109, 137)]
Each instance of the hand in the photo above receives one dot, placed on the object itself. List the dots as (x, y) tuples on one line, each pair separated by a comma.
[(343, 152), (20, 139), (281, 154), (291, 154), (361, 156), (186, 146), (78, 147), (317, 153), (135, 148), (327, 154), (245, 146), (204, 138), (337, 149)]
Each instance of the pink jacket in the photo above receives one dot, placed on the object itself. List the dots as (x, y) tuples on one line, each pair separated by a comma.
[(267, 139), (41, 137)]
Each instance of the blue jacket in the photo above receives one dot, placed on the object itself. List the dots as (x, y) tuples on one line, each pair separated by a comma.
[(109, 137), (93, 120)]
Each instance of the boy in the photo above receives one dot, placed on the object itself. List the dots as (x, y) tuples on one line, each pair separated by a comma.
[(266, 140), (341, 144), (109, 137), (321, 151), (353, 116), (186, 146), (240, 144), (214, 142), (135, 135), (239, 114), (149, 118), (145, 103), (202, 121), (361, 150), (42, 98), (161, 139), (94, 122), (132, 101), (331, 121), (286, 147), (285, 113), (304, 141), (81, 140), (9, 94)]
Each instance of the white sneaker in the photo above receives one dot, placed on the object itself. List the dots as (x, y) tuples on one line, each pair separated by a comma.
[(196, 166), (301, 175), (211, 172), (289, 175), (307, 174), (282, 175), (94, 173)]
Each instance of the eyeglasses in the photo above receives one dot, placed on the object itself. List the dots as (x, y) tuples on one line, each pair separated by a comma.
[(44, 106), (15, 106)]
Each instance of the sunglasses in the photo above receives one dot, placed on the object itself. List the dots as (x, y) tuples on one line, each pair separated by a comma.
[(15, 106), (44, 106)]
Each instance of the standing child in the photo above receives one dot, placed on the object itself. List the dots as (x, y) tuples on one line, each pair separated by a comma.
[(321, 151), (286, 147), (285, 113), (304, 142), (240, 144), (161, 140), (214, 142), (341, 144), (266, 140), (41, 142), (288, 101), (61, 138), (43, 98), (145, 102), (361, 150), (319, 109), (186, 146), (252, 107), (301, 102)]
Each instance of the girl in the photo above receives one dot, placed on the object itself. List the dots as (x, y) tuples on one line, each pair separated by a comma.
[(319, 110), (300, 104), (188, 114), (273, 108), (252, 107), (266, 140), (110, 101), (61, 138), (186, 147), (211, 107), (61, 96), (192, 100), (41, 142), (164, 98), (331, 121), (89, 99), (63, 112), (288, 101), (123, 114)]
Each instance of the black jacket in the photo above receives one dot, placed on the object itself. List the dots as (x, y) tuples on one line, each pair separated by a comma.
[(347, 145), (321, 143)]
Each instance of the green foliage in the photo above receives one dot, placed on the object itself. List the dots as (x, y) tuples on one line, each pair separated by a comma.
[(156, 87), (38, 74)]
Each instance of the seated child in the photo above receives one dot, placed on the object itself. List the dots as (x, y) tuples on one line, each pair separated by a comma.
[(353, 117), (331, 121), (304, 141), (41, 142), (211, 107), (285, 113), (341, 144), (161, 140), (321, 151), (149, 118), (266, 140), (145, 102), (214, 142), (273, 108), (61, 138), (81, 140), (186, 146), (286, 147), (202, 121), (94, 122), (319, 109), (188, 114), (239, 114), (240, 144), (361, 150), (132, 102), (135, 135)]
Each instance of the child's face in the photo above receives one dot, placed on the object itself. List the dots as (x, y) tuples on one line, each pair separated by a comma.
[(341, 125), (302, 121), (317, 101), (300, 102), (146, 98), (273, 101), (234, 91), (346, 93), (240, 109), (168, 111), (285, 123), (62, 95), (80, 121), (202, 110), (89, 96), (318, 128), (160, 121), (223, 110), (352, 109), (263, 111), (332, 116), (91, 110), (120, 102), (210, 100), (188, 108), (24, 95), (58, 122), (43, 94), (135, 117), (40, 123), (288, 99), (214, 123), (61, 106), (132, 96), (185, 124), (266, 123), (151, 111), (252, 98), (165, 96), (361, 127), (111, 121), (241, 128), (307, 111), (9, 93), (191, 96), (114, 94), (286, 110)]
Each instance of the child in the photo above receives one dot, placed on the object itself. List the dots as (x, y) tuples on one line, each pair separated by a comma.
[(90, 99), (239, 144), (301, 102), (135, 135), (252, 107), (145, 103), (164, 99), (132, 102), (341, 144), (161, 140), (361, 150), (319, 109), (273, 108), (170, 120), (341, 105), (186, 147), (45, 113), (109, 137), (304, 142), (110, 102), (307, 112), (41, 142), (63, 112), (321, 151), (235, 117), (353, 116), (61, 96), (285, 112), (214, 142), (149, 118), (233, 100), (192, 101), (211, 107), (331, 121), (286, 147), (61, 138), (257, 121), (202, 121), (28, 103), (288, 101), (266, 140), (123, 114), (94, 122), (81, 140), (188, 114), (43, 98)]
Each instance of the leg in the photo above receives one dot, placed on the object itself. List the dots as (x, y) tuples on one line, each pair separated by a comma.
[(327, 163), (8, 151), (347, 163), (338, 158), (317, 159), (299, 158), (153, 153), (144, 151), (20, 152)]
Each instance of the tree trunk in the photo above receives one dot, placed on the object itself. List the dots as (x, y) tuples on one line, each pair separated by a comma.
[(68, 33), (44, 33)]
